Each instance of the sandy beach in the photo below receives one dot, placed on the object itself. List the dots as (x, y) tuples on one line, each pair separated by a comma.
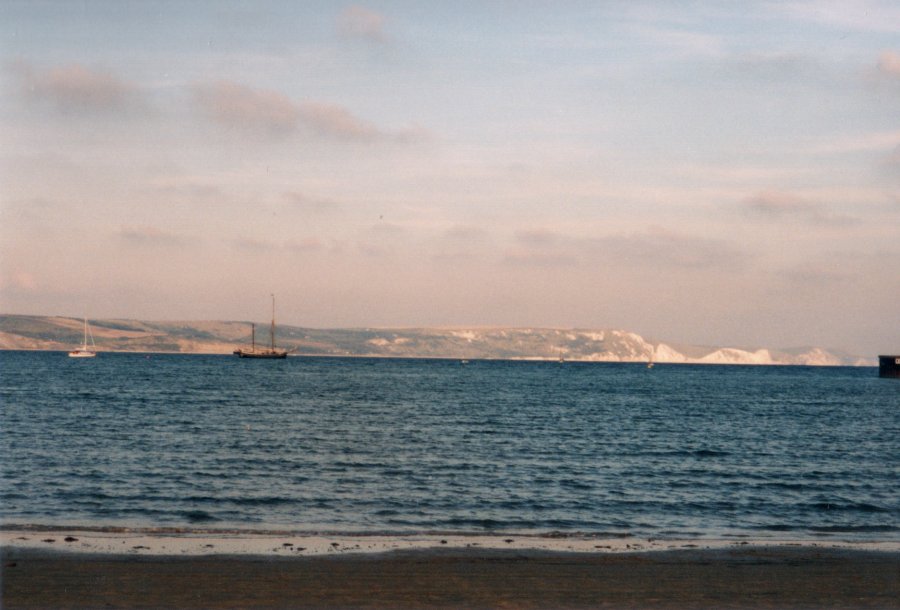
[(61, 569)]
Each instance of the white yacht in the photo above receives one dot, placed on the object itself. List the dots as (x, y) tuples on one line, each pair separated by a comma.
[(84, 351)]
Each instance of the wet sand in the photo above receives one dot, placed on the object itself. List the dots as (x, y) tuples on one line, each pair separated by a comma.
[(745, 577)]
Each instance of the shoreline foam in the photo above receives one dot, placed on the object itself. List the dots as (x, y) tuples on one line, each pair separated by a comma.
[(199, 543)]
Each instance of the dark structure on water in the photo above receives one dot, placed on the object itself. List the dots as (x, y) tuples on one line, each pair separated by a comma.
[(889, 366), (255, 352)]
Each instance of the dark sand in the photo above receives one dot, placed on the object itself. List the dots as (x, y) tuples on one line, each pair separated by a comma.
[(784, 577)]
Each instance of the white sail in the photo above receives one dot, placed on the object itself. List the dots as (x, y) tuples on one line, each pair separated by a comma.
[(84, 351)]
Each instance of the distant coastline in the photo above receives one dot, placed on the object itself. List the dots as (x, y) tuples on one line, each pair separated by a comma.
[(56, 333)]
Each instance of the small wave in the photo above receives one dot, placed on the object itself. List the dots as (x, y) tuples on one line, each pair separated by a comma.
[(705, 453), (574, 484), (698, 453), (784, 486), (777, 527), (481, 524), (262, 501), (860, 507), (852, 529), (556, 534), (827, 529), (198, 516)]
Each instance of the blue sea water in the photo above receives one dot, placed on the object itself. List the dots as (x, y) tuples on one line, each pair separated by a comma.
[(403, 446)]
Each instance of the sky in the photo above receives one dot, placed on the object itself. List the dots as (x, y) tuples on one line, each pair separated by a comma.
[(716, 173)]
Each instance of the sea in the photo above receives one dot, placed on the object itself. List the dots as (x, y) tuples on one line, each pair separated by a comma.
[(417, 446)]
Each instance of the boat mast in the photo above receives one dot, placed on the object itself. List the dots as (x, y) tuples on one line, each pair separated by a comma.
[(253, 336), (84, 343), (272, 332)]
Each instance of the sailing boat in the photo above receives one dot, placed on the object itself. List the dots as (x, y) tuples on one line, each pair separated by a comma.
[(84, 351), (271, 352)]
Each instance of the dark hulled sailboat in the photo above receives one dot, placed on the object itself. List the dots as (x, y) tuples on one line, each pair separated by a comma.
[(271, 351)]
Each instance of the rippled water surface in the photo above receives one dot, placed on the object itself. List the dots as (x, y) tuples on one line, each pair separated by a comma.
[(371, 445)]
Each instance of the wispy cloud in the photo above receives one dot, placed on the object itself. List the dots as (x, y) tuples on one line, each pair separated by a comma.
[(656, 247), (778, 206), (680, 42), (382, 239), (303, 202), (336, 121), (150, 236), (459, 244), (240, 107), (876, 141), (861, 15), (387, 230), (532, 258), (252, 245), (812, 276), (373, 250), (667, 249), (75, 87), (891, 166), (543, 248), (821, 275), (262, 246), (359, 22), (774, 67), (190, 187), (32, 211), (309, 244), (270, 113), (537, 237), (465, 233)]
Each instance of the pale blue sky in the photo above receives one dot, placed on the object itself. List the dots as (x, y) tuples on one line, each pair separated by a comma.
[(723, 173)]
